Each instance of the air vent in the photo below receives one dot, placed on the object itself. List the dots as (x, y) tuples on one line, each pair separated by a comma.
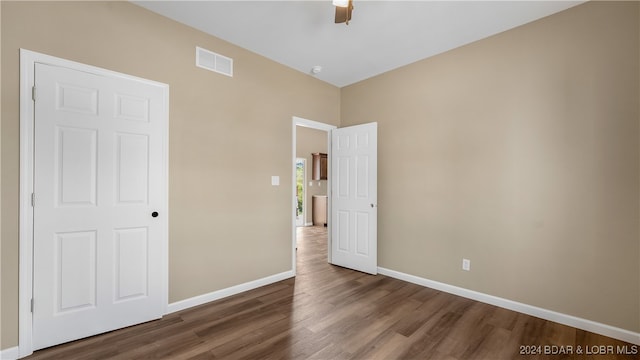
[(215, 62)]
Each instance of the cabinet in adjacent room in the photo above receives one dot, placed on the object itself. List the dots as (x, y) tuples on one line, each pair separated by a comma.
[(319, 166), (319, 208)]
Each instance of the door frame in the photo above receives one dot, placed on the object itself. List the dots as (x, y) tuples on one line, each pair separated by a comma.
[(28, 59), (298, 121)]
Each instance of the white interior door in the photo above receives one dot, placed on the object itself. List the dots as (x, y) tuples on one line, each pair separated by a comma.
[(98, 210), (354, 214)]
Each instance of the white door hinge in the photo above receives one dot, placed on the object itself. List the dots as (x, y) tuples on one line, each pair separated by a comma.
[(33, 199), (33, 93), (31, 305)]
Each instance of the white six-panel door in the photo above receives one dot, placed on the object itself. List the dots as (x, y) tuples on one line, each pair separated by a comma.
[(98, 180), (354, 199)]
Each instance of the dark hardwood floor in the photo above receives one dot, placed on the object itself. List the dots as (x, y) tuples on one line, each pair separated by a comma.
[(328, 312)]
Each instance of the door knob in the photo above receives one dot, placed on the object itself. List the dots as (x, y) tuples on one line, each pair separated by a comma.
[(154, 214)]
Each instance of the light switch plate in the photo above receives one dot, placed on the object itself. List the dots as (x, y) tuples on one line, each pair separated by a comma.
[(466, 264), (275, 180)]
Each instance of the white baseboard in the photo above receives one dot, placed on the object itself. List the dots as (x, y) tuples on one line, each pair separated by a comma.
[(584, 324), (308, 224), (10, 353), (233, 290)]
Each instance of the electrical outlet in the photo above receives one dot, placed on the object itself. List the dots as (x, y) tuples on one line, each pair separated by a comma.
[(466, 264)]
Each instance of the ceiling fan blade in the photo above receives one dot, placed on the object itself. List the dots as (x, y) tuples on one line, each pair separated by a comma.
[(343, 14)]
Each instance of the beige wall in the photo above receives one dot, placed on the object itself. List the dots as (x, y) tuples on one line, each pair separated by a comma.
[(227, 137), (311, 141), (520, 153)]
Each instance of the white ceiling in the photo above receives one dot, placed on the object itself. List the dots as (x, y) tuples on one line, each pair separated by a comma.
[(383, 35)]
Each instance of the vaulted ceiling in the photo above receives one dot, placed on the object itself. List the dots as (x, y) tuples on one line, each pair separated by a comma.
[(383, 35)]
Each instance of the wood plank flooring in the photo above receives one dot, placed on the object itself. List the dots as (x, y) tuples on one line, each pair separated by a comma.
[(328, 312)]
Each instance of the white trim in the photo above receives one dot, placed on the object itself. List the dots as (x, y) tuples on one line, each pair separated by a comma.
[(298, 121), (10, 353), (223, 293), (165, 198), (25, 321), (313, 124), (28, 59), (308, 224), (580, 323)]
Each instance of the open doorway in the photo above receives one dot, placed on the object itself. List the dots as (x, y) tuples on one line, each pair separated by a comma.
[(301, 191), (309, 138)]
